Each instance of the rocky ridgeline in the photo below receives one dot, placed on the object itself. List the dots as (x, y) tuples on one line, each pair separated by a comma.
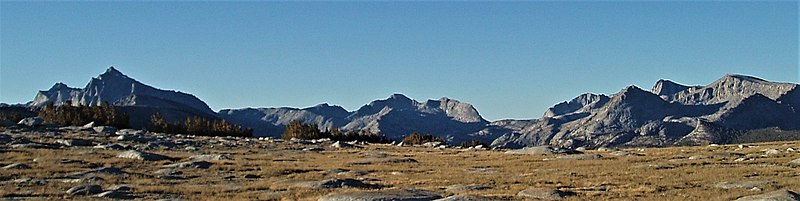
[(668, 114)]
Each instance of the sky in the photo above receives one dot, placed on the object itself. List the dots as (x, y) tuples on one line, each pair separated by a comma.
[(508, 59)]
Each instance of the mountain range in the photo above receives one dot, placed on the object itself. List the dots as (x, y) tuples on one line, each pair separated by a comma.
[(668, 114)]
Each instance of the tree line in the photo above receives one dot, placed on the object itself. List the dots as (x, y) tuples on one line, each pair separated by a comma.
[(69, 115), (197, 126), (108, 115), (298, 130)]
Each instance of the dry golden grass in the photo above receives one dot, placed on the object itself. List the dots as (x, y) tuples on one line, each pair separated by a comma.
[(661, 174)]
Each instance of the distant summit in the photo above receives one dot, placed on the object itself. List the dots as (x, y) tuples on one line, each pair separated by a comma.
[(669, 114), (395, 116), (118, 89)]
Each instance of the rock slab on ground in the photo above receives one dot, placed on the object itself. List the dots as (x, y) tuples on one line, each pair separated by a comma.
[(133, 154), (471, 187), (468, 198), (541, 150), (85, 190), (385, 195), (191, 164), (31, 121), (332, 183), (779, 195), (743, 184)]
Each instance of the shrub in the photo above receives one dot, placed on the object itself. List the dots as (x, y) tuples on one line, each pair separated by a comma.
[(416, 138), (472, 143), (296, 129), (337, 135), (15, 114)]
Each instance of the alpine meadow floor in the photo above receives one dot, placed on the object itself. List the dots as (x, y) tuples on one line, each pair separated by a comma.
[(267, 170)]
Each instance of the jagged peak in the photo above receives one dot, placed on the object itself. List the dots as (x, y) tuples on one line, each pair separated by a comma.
[(398, 96), (324, 105), (668, 87), (396, 99), (61, 85), (112, 72), (585, 96), (740, 77), (635, 93), (665, 82), (632, 89)]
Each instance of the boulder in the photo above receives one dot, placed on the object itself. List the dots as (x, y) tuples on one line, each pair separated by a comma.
[(626, 153), (432, 144), (169, 171), (102, 170), (190, 164), (89, 125), (394, 195), (577, 157), (138, 155), (121, 188), (85, 190), (795, 163), (772, 152), (33, 146), (251, 176), (114, 146), (743, 184), (332, 183), (89, 179), (543, 193), (779, 195), (74, 142), (471, 187), (105, 129), (31, 121), (112, 194), (18, 166), (342, 145), (468, 198), (210, 157), (367, 161), (129, 132)]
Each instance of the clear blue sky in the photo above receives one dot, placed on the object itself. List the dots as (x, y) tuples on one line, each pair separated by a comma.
[(509, 59)]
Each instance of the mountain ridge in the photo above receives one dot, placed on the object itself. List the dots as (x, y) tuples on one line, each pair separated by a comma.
[(661, 116)]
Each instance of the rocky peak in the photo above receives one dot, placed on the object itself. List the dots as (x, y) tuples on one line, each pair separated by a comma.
[(463, 112), (667, 87), (583, 101), (394, 101), (112, 72), (634, 93), (741, 78), (328, 110), (400, 98), (733, 87), (61, 86)]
